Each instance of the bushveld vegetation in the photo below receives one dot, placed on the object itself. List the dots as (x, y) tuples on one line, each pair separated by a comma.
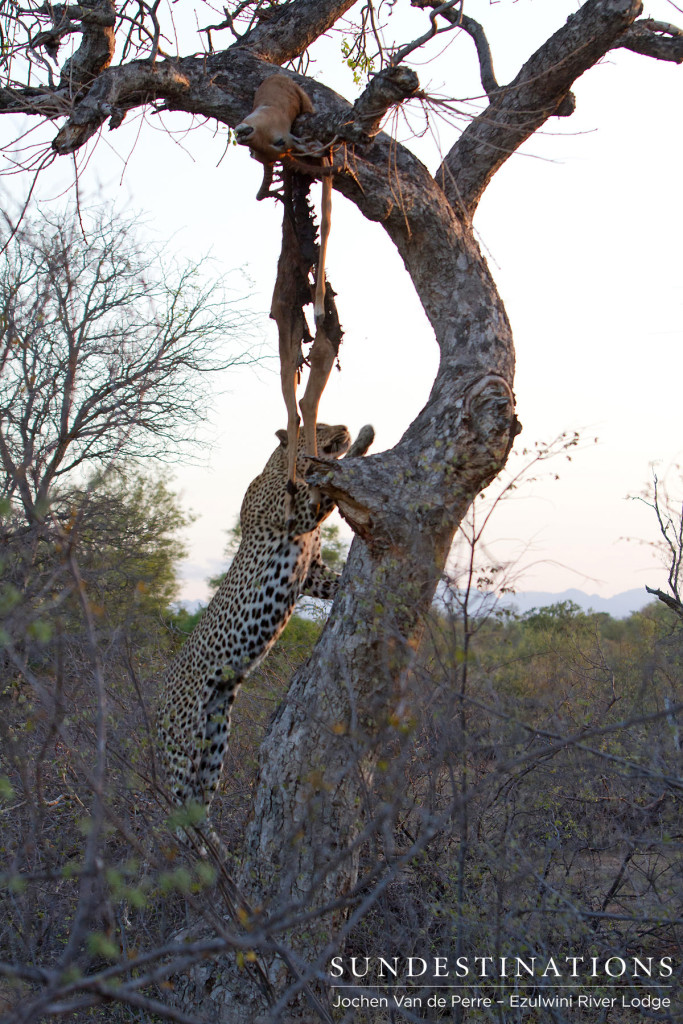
[(526, 802)]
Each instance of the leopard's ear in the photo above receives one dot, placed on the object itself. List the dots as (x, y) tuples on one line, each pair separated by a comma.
[(281, 435)]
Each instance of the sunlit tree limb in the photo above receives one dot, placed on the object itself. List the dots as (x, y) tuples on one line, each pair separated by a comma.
[(539, 91)]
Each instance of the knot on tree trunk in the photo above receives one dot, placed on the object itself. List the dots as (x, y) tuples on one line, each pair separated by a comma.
[(489, 418), (489, 405)]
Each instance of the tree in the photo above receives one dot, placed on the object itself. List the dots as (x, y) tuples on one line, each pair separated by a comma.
[(128, 525), (319, 758), (669, 513), (122, 531), (83, 634), (104, 345)]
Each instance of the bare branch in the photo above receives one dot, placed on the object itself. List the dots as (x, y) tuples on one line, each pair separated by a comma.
[(444, 9), (670, 523), (667, 599), (540, 90), (476, 31), (653, 39)]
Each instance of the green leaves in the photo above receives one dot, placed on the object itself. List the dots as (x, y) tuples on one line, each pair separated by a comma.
[(357, 59)]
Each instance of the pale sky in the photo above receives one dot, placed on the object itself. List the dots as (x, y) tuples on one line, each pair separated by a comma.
[(582, 232)]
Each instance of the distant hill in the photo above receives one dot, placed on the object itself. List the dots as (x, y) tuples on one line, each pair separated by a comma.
[(619, 606)]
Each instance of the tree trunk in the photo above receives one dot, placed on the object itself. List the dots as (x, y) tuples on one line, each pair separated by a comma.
[(405, 505)]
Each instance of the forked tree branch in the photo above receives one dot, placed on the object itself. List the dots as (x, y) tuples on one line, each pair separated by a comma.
[(653, 39), (439, 8), (540, 90), (475, 30)]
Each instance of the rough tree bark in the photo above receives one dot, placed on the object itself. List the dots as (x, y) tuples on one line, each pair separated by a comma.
[(302, 847)]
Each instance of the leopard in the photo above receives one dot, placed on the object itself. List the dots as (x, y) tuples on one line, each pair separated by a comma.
[(277, 561)]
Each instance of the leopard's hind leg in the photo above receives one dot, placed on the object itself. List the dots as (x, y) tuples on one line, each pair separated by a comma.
[(215, 742)]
